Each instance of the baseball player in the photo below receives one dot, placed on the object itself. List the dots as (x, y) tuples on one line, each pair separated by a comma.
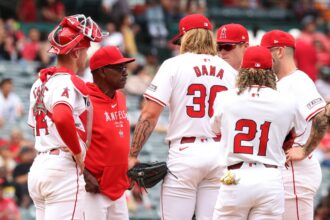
[(58, 116), (187, 84), (301, 178), (107, 157), (232, 41), (252, 138)]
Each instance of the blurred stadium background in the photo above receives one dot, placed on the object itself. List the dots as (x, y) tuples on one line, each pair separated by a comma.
[(141, 29)]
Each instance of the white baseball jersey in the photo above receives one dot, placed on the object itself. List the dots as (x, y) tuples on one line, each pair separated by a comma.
[(254, 124), (309, 100), (58, 89), (188, 85), (302, 178)]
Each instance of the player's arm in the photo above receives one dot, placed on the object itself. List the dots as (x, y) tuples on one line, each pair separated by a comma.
[(64, 122), (318, 129), (327, 113), (144, 127)]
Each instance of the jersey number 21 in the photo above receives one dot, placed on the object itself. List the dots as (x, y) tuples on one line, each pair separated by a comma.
[(250, 136)]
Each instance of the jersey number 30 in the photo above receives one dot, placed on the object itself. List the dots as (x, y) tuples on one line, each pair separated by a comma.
[(199, 91), (250, 136)]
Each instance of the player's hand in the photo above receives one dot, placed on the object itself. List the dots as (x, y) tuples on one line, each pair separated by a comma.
[(92, 185), (295, 153), (132, 161), (79, 158)]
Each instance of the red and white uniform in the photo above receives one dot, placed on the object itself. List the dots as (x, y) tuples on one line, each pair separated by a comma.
[(253, 126), (59, 89), (107, 156), (54, 183), (302, 178), (188, 85)]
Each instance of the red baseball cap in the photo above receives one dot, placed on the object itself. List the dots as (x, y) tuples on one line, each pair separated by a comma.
[(232, 33), (108, 55), (189, 22), (257, 57), (278, 38)]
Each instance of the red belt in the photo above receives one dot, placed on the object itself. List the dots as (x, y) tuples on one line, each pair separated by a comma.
[(54, 151), (239, 165), (185, 140)]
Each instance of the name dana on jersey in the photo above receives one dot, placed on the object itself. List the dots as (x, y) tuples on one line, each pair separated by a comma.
[(208, 71), (314, 102)]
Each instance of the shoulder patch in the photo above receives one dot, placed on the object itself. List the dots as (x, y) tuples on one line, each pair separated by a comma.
[(79, 85), (314, 102), (152, 87)]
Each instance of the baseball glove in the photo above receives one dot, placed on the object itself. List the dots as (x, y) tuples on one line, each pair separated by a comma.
[(147, 175), (92, 185), (289, 140)]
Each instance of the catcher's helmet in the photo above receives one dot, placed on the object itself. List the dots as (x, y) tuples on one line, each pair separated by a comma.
[(74, 32)]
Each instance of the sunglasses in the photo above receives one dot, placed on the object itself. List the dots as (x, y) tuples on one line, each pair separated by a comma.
[(118, 68), (228, 47)]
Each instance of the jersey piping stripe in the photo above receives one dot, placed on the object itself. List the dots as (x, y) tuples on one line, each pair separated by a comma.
[(75, 202), (294, 190), (62, 102), (154, 99), (314, 113), (162, 202)]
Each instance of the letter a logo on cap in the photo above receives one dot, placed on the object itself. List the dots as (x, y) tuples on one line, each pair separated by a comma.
[(275, 41), (223, 34)]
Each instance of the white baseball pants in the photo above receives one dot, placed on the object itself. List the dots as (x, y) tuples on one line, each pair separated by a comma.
[(100, 207), (56, 187), (259, 194), (301, 182), (197, 168)]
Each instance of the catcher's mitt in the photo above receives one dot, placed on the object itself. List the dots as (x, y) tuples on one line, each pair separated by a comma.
[(147, 175)]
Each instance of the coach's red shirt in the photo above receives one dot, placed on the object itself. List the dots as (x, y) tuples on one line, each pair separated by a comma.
[(107, 156)]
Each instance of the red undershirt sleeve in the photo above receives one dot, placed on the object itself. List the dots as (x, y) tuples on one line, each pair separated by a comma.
[(64, 122)]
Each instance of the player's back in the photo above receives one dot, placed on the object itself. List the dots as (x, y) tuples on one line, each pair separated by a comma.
[(188, 84), (254, 125)]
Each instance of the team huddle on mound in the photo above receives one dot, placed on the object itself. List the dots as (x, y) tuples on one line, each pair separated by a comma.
[(243, 124)]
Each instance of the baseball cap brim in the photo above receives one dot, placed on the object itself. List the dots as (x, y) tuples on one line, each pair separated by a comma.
[(176, 39), (123, 60), (120, 61)]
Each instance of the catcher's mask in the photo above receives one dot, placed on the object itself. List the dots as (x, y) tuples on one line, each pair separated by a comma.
[(74, 32)]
